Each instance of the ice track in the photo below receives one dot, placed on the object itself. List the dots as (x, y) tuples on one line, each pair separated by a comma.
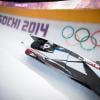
[(24, 78)]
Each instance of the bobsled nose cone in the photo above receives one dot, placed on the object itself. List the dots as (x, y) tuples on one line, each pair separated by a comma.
[(28, 51)]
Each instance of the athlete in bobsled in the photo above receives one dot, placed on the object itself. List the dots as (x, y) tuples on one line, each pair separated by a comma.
[(43, 45)]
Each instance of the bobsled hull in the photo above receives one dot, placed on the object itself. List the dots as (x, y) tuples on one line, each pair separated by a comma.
[(91, 80)]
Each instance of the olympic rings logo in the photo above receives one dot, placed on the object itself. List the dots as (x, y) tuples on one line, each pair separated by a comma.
[(77, 34)]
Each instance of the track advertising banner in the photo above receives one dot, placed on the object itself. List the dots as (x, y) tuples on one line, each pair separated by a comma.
[(63, 4), (82, 38)]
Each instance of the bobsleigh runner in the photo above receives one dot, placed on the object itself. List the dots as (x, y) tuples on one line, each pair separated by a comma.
[(91, 80)]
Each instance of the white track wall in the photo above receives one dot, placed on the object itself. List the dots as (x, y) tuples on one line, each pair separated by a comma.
[(23, 78)]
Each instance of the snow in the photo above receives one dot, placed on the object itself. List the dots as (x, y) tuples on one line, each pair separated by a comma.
[(24, 78)]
